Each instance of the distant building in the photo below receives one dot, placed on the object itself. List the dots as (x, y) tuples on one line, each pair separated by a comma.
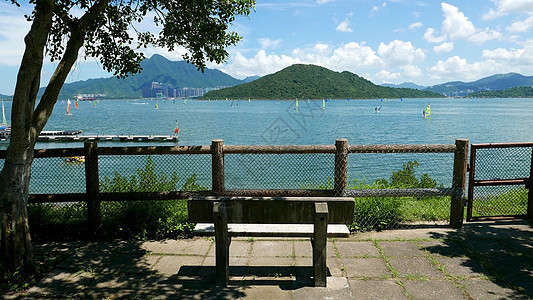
[(163, 90)]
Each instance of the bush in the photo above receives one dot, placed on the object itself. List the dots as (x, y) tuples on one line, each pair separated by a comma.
[(379, 213), (146, 219)]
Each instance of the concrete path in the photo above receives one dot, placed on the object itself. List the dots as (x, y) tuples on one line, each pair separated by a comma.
[(491, 260)]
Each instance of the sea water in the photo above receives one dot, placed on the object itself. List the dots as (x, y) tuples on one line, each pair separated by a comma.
[(271, 122)]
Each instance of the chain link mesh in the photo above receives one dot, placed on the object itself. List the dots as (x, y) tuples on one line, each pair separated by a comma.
[(252, 171), (373, 172), (501, 163)]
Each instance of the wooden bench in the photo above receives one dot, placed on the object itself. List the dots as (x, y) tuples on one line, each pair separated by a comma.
[(313, 217)]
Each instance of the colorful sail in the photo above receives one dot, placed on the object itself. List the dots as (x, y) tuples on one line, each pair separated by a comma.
[(76, 103), (68, 107), (427, 112), (323, 103), (4, 122), (296, 103)]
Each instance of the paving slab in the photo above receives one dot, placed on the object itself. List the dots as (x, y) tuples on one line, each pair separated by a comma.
[(415, 267), (400, 249), (357, 249), (374, 289), (365, 267), (432, 289)]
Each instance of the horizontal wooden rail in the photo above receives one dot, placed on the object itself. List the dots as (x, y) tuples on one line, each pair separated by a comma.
[(401, 148), (503, 145), (420, 192), (493, 182), (281, 149)]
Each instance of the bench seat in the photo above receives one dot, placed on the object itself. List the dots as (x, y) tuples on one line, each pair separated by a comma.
[(272, 230)]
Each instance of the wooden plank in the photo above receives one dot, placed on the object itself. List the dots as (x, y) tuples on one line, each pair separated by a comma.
[(319, 244), (460, 166), (278, 149), (421, 192), (222, 241), (401, 148), (272, 230), (493, 182), (272, 210)]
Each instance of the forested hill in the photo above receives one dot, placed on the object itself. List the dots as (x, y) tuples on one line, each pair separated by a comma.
[(516, 92), (314, 82), (177, 74)]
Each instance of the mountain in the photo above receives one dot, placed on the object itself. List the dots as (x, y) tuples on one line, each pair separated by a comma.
[(313, 82), (491, 83), (408, 85), (516, 92), (155, 69), (251, 78)]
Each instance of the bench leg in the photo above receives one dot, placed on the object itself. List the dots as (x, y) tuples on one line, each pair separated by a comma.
[(222, 241), (319, 244)]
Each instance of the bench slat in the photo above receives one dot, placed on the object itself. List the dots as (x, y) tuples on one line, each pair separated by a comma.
[(272, 230), (271, 210)]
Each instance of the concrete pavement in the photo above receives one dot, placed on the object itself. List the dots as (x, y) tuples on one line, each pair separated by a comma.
[(490, 260)]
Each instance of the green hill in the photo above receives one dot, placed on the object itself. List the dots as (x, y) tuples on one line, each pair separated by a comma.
[(491, 83), (178, 74), (314, 82), (516, 92)]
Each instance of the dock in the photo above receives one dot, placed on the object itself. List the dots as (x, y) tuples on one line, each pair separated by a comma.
[(107, 138)]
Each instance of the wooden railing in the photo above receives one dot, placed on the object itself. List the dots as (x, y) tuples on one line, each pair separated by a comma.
[(93, 197)]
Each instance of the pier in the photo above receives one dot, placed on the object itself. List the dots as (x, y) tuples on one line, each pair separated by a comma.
[(108, 138)]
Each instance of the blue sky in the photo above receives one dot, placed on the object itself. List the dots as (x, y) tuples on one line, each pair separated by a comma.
[(425, 42)]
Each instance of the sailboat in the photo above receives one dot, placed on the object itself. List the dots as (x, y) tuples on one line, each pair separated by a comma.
[(296, 107), (427, 112), (4, 122), (323, 104), (68, 107), (5, 130), (76, 103), (156, 105)]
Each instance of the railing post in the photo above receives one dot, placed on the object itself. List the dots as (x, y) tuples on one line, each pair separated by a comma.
[(530, 189), (341, 166), (217, 166), (460, 168), (92, 187)]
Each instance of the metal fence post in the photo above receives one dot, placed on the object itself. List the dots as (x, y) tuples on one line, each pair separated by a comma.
[(460, 168), (92, 187), (217, 166), (530, 189), (341, 166)]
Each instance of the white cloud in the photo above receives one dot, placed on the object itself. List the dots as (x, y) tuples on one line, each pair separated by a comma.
[(268, 43), (456, 68), (443, 48), (385, 75), (411, 71), (430, 37), (456, 25), (415, 25), (352, 57), (323, 1), (321, 47), (376, 8), (521, 26), (399, 53), (522, 58), (507, 7), (344, 26), (484, 35)]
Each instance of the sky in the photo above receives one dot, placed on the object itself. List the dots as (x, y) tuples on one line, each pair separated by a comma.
[(421, 41)]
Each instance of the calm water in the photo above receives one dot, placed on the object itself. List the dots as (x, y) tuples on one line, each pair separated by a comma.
[(277, 122)]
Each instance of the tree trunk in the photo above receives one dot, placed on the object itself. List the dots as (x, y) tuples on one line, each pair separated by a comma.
[(15, 233), (15, 239)]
